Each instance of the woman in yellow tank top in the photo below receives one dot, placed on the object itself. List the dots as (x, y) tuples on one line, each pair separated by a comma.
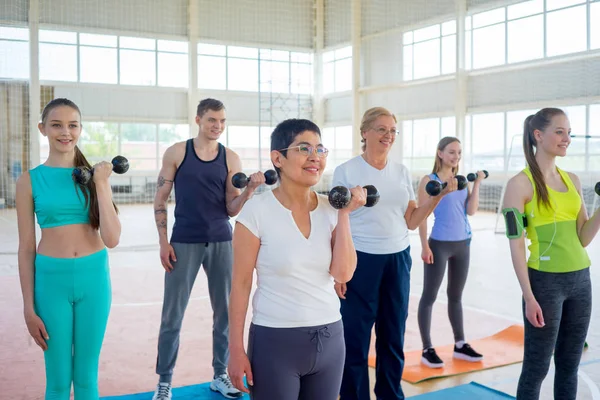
[(555, 280)]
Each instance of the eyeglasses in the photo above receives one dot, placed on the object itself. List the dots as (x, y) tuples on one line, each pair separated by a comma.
[(382, 131), (308, 150)]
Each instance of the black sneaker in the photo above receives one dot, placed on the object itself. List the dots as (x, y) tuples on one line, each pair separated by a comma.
[(431, 359), (467, 353)]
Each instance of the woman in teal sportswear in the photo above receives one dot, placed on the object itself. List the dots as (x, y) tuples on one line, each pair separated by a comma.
[(65, 281)]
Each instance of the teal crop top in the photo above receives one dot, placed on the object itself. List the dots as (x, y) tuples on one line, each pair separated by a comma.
[(57, 199)]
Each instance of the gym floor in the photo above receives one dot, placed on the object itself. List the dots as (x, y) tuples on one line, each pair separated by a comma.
[(491, 300)]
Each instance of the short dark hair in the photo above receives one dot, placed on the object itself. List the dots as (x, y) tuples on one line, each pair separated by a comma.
[(285, 133), (209, 104)]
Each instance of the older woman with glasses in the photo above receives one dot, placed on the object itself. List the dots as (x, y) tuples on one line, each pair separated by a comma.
[(298, 244), (378, 292)]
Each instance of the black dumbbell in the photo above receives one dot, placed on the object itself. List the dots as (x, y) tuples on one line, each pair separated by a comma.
[(83, 175), (240, 180), (472, 176), (339, 196), (434, 188), (597, 188)]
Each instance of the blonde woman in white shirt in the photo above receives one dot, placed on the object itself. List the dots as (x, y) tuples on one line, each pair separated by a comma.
[(298, 244)]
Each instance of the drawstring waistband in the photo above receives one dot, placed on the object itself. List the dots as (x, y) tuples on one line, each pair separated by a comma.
[(316, 335)]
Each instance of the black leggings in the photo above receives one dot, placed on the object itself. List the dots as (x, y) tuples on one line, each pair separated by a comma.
[(566, 303), (457, 255), (296, 363)]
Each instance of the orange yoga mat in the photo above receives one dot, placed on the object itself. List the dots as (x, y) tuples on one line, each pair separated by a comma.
[(503, 348)]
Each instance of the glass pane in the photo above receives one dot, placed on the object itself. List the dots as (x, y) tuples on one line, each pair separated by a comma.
[(488, 46), (427, 135), (98, 65), (173, 70), (343, 75), (449, 28), (97, 40), (328, 78), (426, 59), (564, 41), (302, 57), (556, 4), (449, 54), (328, 140), (342, 151), (14, 59), (173, 46), (407, 63), (212, 49), (594, 144), (328, 56), (58, 62), (488, 18), (137, 43), (58, 37), (301, 78), (430, 32), (244, 141), (468, 49), (99, 141), (242, 74), (137, 67), (577, 120), (525, 9), (169, 134), (514, 138), (138, 141), (448, 126), (595, 25), (242, 52), (275, 76), (274, 55), (344, 52), (212, 72), (14, 33), (526, 39), (408, 37), (265, 147), (488, 141), (407, 139)]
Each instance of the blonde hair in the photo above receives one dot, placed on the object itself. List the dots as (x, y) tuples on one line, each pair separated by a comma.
[(445, 141), (369, 118)]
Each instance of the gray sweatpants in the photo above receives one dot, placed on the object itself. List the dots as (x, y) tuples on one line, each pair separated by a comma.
[(217, 259), (456, 254), (566, 303), (296, 363)]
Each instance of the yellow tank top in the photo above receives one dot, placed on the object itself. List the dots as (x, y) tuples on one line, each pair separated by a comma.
[(555, 245)]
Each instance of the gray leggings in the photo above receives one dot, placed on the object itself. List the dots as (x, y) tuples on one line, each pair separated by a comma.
[(296, 363), (566, 303), (457, 255)]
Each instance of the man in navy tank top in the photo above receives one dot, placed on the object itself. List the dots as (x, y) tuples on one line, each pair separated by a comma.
[(200, 169)]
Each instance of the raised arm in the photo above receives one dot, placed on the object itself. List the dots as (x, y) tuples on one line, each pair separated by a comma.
[(473, 198), (110, 226), (422, 197), (587, 228), (245, 253), (415, 214), (234, 197), (518, 192), (26, 258)]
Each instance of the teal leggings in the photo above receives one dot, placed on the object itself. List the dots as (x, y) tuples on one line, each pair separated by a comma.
[(73, 298)]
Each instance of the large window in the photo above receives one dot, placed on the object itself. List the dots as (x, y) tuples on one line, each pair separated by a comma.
[(250, 69), (339, 142), (14, 53), (430, 51), (420, 139), (337, 70)]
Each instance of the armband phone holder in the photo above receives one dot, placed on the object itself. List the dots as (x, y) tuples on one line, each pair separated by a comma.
[(515, 222)]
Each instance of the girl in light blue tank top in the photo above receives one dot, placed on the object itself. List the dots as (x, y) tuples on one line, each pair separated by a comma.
[(65, 280), (448, 244)]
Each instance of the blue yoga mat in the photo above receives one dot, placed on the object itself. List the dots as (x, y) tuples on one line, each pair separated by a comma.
[(470, 391), (193, 392)]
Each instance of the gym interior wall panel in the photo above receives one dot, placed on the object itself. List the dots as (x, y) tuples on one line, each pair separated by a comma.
[(382, 60), (541, 83), (14, 11), (274, 22), (126, 104), (143, 16), (338, 22)]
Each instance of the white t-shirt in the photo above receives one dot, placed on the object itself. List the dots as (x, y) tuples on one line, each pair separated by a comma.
[(380, 229), (294, 286)]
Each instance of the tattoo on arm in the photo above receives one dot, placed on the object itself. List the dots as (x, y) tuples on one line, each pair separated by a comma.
[(161, 181)]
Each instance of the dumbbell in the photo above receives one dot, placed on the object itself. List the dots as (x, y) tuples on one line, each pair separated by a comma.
[(597, 188), (471, 177), (240, 180), (83, 175), (434, 188), (339, 197)]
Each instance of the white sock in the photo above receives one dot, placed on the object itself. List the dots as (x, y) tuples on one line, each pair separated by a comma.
[(460, 344)]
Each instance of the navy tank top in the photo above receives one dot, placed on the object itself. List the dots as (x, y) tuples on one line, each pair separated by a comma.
[(200, 208)]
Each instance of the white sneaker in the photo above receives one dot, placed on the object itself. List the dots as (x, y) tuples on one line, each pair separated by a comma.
[(163, 391), (223, 385)]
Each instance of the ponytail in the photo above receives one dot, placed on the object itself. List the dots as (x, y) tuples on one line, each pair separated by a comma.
[(538, 121)]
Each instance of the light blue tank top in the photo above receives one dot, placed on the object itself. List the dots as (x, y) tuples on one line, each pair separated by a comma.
[(450, 217), (57, 199)]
